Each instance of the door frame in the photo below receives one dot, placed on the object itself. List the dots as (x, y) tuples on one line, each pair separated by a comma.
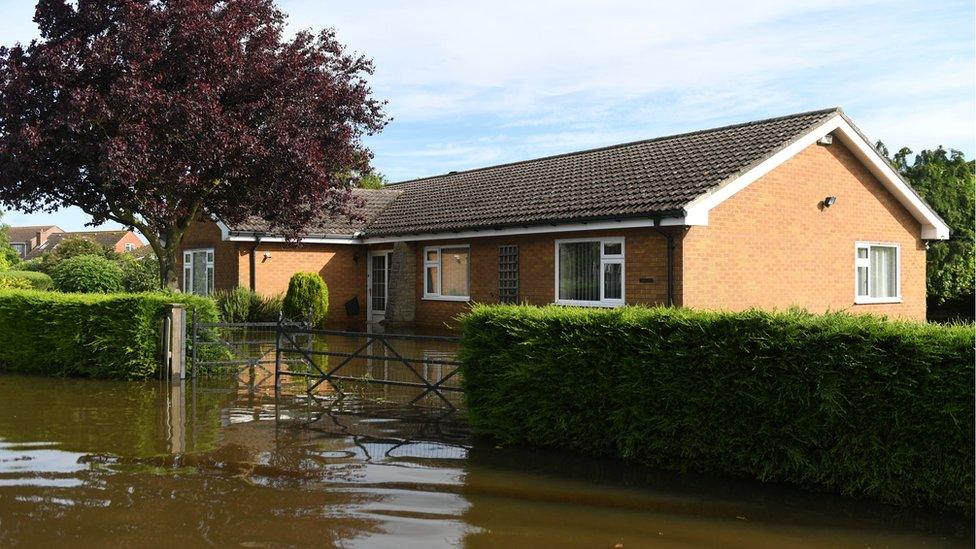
[(371, 315)]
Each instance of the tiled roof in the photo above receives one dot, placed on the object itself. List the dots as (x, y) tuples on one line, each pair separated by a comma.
[(25, 234), (107, 239), (374, 201), (642, 179)]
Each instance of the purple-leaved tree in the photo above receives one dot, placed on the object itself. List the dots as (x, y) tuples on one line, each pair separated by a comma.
[(156, 113)]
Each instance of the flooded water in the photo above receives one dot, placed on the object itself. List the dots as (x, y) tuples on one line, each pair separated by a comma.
[(223, 462)]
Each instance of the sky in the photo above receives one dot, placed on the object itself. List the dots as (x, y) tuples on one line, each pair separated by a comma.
[(472, 84)]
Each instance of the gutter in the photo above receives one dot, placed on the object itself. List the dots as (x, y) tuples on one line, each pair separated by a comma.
[(253, 260), (670, 259)]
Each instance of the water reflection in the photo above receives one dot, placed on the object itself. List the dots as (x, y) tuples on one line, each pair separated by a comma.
[(224, 462)]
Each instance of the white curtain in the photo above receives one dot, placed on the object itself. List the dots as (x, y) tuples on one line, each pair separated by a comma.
[(579, 271), (454, 276), (884, 272)]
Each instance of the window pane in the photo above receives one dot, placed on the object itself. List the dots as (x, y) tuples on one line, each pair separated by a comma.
[(454, 277), (862, 253), (187, 280), (615, 248), (431, 280), (862, 281), (378, 293), (883, 272), (200, 272), (579, 271), (432, 255), (612, 281)]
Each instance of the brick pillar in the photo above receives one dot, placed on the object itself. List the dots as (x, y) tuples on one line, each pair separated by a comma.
[(401, 302)]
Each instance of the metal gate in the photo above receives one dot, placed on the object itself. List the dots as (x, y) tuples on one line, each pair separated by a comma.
[(259, 353)]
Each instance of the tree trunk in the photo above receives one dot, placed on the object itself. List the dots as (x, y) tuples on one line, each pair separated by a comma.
[(168, 275)]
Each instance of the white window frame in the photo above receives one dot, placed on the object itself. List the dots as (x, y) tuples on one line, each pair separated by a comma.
[(128, 246), (605, 259), (866, 262), (436, 295), (188, 269)]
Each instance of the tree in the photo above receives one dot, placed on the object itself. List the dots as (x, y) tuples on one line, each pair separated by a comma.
[(8, 255), (73, 246), (372, 180), (946, 180), (158, 113)]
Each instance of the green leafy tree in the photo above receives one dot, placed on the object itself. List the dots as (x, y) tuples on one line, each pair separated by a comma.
[(88, 274), (8, 255), (372, 180), (73, 246), (946, 180)]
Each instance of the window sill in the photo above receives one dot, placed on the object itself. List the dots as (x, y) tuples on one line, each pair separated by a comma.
[(445, 298), (570, 303), (876, 300)]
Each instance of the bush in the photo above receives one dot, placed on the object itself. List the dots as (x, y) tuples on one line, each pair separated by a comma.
[(855, 404), (234, 305), (107, 336), (15, 284), (307, 293), (35, 280), (34, 264), (265, 308), (139, 275), (87, 274)]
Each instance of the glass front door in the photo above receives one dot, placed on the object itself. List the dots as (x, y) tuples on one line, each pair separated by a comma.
[(379, 266)]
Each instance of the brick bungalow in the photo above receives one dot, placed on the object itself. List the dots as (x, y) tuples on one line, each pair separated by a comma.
[(26, 239), (798, 210)]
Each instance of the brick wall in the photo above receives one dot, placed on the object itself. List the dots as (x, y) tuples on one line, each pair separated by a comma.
[(129, 238), (226, 255), (772, 246), (645, 258)]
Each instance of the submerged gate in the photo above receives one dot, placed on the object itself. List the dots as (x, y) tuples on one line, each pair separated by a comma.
[(262, 353)]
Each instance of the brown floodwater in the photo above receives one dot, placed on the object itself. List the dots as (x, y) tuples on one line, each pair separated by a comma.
[(227, 463)]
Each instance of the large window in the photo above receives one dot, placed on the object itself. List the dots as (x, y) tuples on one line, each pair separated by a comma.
[(198, 271), (447, 273), (876, 273), (590, 272)]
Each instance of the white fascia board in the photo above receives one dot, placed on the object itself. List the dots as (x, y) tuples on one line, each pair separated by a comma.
[(326, 239), (933, 228), (539, 229)]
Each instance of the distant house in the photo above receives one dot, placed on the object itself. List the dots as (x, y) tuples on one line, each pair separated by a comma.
[(118, 241), (26, 239), (799, 210)]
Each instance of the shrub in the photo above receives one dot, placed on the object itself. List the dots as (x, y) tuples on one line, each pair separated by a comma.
[(108, 336), (307, 294), (139, 275), (234, 305), (87, 274), (35, 280), (34, 264), (265, 308), (7, 283), (855, 404)]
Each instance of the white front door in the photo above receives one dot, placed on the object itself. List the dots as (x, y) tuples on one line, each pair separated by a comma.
[(377, 284)]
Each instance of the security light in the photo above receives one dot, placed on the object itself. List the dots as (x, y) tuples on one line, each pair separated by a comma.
[(829, 201)]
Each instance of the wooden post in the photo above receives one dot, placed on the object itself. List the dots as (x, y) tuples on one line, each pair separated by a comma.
[(175, 363)]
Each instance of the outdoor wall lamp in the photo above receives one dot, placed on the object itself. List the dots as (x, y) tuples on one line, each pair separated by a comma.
[(829, 201), (267, 255)]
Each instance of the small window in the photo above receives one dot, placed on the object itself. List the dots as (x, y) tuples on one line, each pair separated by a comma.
[(198, 272), (876, 273), (508, 274), (447, 273), (20, 247), (590, 272), (129, 246)]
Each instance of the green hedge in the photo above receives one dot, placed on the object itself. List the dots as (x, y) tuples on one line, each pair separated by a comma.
[(854, 404), (96, 335), (37, 281)]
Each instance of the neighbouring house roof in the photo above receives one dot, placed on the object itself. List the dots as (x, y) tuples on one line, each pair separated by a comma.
[(141, 251), (677, 178), (25, 234), (374, 201), (107, 239)]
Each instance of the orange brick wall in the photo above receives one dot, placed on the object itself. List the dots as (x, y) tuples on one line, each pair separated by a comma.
[(771, 246), (129, 238), (645, 257)]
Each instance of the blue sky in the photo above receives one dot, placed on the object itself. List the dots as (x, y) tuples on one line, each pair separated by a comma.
[(475, 84)]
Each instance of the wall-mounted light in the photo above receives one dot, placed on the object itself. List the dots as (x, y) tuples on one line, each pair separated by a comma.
[(826, 140), (267, 255), (829, 201)]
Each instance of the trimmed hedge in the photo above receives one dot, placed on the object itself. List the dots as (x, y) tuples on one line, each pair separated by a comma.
[(855, 404), (94, 335), (36, 280)]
